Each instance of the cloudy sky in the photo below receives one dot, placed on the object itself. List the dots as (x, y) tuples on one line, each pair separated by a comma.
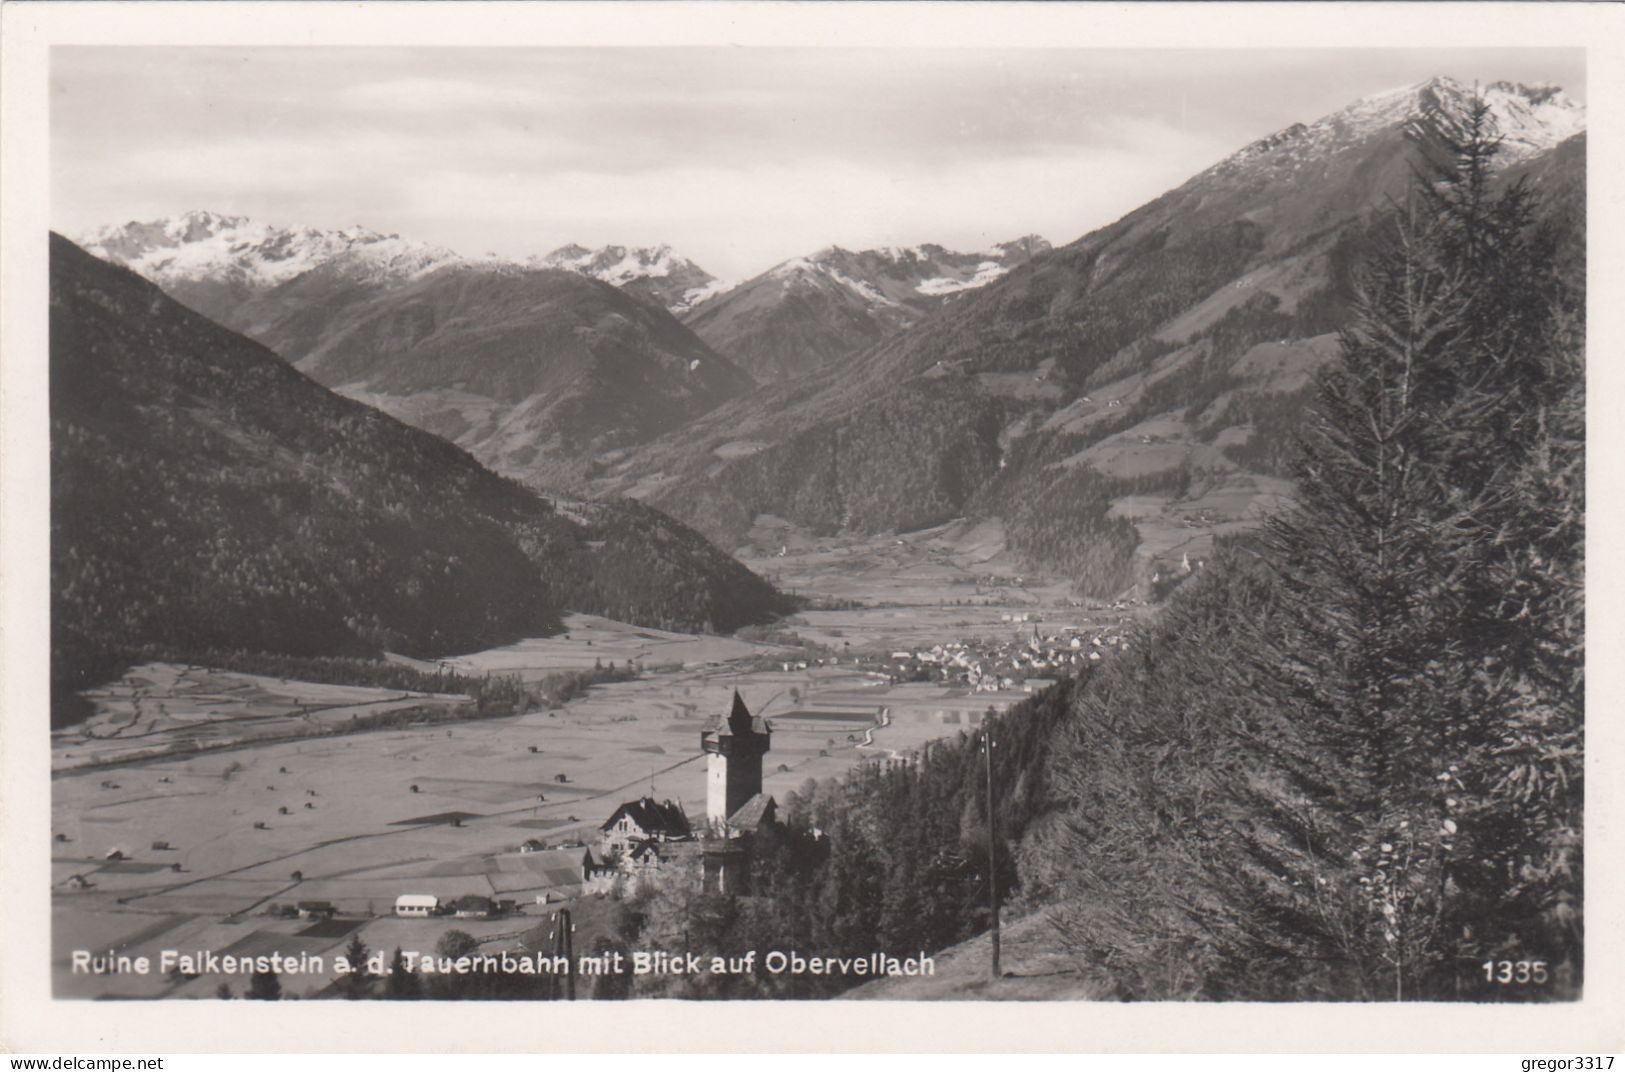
[(739, 158)]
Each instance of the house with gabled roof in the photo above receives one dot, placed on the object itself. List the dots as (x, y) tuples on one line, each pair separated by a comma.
[(646, 839), (637, 821)]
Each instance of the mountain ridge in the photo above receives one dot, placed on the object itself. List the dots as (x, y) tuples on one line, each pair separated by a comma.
[(199, 251), (809, 312), (205, 494), (654, 273), (536, 371)]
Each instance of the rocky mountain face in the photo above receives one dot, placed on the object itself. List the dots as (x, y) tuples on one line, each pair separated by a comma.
[(537, 372), (812, 312), (1119, 401), (654, 274), (206, 494)]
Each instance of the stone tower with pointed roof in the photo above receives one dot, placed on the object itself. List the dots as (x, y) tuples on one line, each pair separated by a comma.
[(734, 749)]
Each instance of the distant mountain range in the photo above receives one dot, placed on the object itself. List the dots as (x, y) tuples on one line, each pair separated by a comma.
[(213, 261), (207, 495), (547, 367), (1120, 400), (811, 312)]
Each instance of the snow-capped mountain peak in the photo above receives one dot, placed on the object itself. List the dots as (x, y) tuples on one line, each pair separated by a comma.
[(810, 311), (890, 275), (394, 259), (654, 271), (1528, 119), (209, 254), (203, 246)]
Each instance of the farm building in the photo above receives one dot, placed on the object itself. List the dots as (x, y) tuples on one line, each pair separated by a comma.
[(473, 906), (417, 904), (562, 869), (317, 909)]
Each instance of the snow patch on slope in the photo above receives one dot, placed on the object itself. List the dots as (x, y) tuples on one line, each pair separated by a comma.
[(695, 295), (893, 275), (985, 273)]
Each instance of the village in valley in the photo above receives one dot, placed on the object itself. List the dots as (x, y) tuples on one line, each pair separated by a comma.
[(201, 809)]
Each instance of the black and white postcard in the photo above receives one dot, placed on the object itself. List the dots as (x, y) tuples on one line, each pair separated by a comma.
[(814, 505)]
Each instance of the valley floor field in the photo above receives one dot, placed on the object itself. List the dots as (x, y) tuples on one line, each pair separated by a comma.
[(960, 563), (162, 847)]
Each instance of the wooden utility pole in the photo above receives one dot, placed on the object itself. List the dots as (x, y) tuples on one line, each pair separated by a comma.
[(992, 854), (564, 946)]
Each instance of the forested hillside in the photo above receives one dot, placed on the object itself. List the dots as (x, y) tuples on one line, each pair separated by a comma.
[(206, 495), (1347, 762)]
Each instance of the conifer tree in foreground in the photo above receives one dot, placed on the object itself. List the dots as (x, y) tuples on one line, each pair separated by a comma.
[(1351, 766), (355, 982), (264, 986), (400, 984), (1403, 667)]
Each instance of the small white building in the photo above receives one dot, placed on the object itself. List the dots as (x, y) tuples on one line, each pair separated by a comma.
[(416, 904)]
